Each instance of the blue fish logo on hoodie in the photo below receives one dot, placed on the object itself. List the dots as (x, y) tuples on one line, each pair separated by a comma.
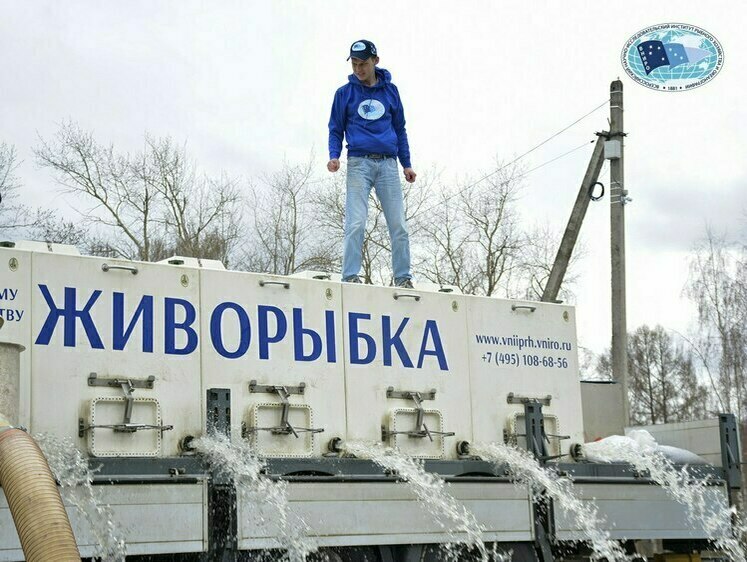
[(371, 119), (371, 109)]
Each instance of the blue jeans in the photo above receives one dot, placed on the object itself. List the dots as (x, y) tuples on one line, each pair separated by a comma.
[(363, 174)]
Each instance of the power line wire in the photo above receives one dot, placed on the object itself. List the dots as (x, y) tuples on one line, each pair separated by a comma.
[(521, 175), (548, 139), (563, 130), (579, 147)]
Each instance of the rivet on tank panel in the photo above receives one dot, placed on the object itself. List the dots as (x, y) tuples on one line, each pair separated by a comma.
[(566, 316), (13, 264), (185, 280), (328, 294), (454, 306)]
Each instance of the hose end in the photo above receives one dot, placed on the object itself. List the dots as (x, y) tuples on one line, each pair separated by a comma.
[(336, 445), (463, 448)]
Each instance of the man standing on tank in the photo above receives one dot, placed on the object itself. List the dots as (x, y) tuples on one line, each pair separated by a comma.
[(368, 112)]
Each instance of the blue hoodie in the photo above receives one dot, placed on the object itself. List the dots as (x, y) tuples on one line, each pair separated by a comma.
[(371, 118)]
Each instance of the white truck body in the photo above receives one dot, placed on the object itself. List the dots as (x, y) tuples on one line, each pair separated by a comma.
[(194, 326)]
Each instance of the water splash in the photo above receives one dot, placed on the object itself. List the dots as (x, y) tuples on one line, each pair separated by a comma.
[(525, 470), (239, 462), (430, 489), (70, 468), (682, 484)]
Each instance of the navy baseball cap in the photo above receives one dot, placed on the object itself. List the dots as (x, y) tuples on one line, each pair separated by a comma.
[(362, 50)]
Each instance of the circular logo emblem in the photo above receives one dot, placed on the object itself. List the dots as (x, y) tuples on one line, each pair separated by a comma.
[(672, 57), (371, 109)]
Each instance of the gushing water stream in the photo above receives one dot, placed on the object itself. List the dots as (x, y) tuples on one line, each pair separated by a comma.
[(680, 483), (239, 463), (71, 470), (431, 490), (526, 471)]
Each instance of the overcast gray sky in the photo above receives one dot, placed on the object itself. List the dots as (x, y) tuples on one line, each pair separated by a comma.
[(249, 84)]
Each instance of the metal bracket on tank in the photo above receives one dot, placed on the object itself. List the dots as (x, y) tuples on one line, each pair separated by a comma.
[(730, 453), (421, 429), (512, 398), (285, 427), (127, 386), (536, 436)]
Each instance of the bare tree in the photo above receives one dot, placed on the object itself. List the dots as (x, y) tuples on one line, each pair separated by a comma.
[(536, 257), (200, 212), (490, 212), (474, 236), (718, 286), (663, 385), (589, 366), (15, 216), (103, 180), (20, 220), (284, 236), (8, 167), (149, 205), (448, 257), (61, 231)]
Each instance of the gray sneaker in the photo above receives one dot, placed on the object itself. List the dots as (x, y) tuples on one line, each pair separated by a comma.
[(404, 283), (353, 279)]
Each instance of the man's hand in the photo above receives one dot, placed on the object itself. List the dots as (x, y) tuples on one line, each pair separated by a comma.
[(333, 165), (410, 175)]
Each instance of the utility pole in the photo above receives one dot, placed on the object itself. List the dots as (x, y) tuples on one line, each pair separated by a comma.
[(618, 199)]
